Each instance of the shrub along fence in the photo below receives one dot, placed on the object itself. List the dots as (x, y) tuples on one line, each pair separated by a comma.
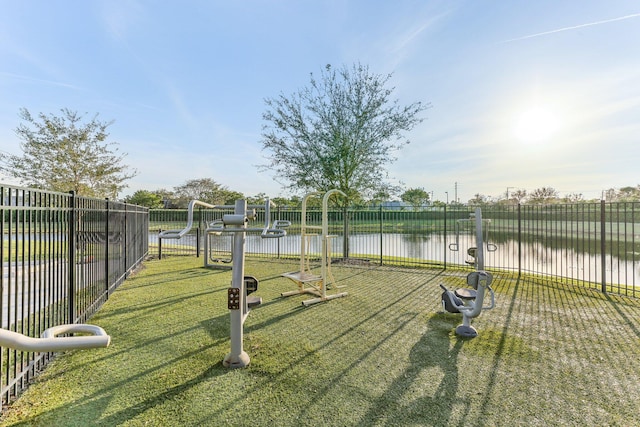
[(62, 256), (591, 244)]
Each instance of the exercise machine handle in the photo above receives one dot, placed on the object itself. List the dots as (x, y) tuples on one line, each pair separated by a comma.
[(52, 342)]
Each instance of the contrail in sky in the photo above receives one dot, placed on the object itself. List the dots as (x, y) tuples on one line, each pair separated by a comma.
[(559, 30)]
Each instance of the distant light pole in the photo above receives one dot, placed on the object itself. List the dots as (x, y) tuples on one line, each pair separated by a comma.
[(447, 193), (455, 199)]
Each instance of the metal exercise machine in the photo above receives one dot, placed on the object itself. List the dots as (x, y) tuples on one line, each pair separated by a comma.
[(470, 301), (216, 229), (213, 230), (52, 341), (178, 234), (309, 283), (239, 301)]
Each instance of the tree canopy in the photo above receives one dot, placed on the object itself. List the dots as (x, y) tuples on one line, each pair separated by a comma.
[(146, 198), (206, 190), (415, 196), (542, 195), (338, 132), (66, 153)]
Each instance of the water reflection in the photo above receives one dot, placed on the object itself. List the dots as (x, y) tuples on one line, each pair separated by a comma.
[(572, 258)]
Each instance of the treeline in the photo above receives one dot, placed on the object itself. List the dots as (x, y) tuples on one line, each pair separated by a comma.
[(549, 195), (204, 189), (209, 191)]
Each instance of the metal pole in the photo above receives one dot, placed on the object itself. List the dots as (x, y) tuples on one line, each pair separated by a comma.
[(603, 246), (198, 242), (106, 247), (444, 237), (238, 358), (479, 242), (381, 234), (126, 241), (71, 313), (519, 239), (278, 240)]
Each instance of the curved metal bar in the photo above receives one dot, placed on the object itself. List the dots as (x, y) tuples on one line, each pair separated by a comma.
[(176, 234), (52, 342)]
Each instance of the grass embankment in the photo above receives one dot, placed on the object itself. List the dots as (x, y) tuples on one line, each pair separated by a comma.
[(383, 355)]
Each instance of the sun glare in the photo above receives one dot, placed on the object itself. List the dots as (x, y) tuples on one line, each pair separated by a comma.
[(536, 124)]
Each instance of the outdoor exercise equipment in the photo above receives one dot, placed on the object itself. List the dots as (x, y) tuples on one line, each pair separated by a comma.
[(309, 283), (239, 301), (216, 229), (484, 237), (470, 301), (178, 234), (52, 341)]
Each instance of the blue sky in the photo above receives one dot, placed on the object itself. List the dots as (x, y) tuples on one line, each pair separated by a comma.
[(524, 94)]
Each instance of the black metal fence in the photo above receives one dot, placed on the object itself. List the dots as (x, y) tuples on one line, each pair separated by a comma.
[(62, 256), (590, 244)]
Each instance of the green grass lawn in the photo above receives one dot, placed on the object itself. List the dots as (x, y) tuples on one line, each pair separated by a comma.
[(548, 354)]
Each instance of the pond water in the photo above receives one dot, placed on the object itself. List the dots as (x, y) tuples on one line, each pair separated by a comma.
[(532, 257)]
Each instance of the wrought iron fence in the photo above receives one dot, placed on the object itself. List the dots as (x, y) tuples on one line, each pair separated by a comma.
[(62, 256), (591, 244)]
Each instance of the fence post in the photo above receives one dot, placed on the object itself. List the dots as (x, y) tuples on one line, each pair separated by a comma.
[(444, 237), (519, 239), (198, 232), (277, 240), (381, 234), (345, 240), (106, 247), (198, 242), (126, 242), (603, 246), (71, 286)]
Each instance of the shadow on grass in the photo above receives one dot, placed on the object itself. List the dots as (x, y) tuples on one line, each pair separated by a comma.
[(82, 411), (500, 348), (381, 356), (172, 277), (308, 357), (434, 349), (615, 303), (158, 305), (403, 318), (159, 399)]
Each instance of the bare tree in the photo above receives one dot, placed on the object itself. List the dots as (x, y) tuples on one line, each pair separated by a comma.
[(478, 199), (543, 195)]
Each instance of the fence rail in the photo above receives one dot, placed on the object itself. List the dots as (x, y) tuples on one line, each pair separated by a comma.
[(595, 245), (62, 256)]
